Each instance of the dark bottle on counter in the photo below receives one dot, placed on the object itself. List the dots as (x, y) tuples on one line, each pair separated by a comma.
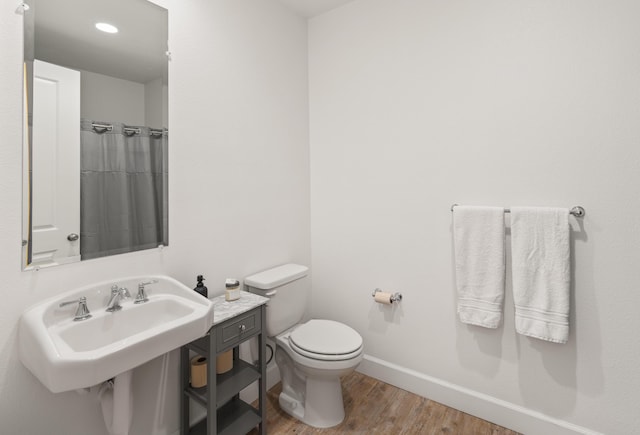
[(201, 288)]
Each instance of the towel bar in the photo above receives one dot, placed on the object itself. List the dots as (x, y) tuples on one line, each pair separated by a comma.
[(576, 211)]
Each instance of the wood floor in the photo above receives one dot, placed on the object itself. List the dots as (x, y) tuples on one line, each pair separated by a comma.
[(373, 407)]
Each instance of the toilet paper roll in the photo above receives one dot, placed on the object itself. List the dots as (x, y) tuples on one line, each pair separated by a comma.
[(198, 371), (383, 298), (224, 362)]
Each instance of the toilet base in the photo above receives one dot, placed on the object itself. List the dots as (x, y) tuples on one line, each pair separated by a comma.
[(323, 406), (311, 389)]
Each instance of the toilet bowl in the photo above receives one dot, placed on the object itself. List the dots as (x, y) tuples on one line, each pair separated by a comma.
[(311, 358)]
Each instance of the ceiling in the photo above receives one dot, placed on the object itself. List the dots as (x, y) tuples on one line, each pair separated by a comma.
[(311, 8)]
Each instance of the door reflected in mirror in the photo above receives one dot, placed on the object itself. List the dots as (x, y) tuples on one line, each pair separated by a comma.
[(95, 130)]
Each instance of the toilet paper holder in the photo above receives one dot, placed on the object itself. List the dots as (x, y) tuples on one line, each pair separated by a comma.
[(396, 297)]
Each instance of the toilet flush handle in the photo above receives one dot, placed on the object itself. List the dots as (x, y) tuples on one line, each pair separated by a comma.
[(271, 293)]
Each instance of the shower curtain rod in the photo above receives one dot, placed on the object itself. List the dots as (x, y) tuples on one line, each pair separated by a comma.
[(576, 211), (134, 130)]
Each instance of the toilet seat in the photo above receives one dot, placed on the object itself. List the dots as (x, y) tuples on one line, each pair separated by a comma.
[(325, 340)]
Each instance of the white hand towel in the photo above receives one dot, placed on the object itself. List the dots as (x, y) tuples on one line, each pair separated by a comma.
[(479, 253), (541, 271)]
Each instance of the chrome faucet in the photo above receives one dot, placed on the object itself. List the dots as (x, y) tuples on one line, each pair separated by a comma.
[(141, 297), (82, 312), (117, 294)]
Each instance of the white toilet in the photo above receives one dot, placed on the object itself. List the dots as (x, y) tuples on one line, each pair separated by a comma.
[(311, 356)]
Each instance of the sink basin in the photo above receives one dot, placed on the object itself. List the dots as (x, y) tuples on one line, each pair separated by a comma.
[(66, 355)]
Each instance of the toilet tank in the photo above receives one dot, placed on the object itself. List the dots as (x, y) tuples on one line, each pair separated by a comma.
[(286, 287)]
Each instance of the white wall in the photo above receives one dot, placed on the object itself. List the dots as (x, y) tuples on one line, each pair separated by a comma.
[(415, 105), (238, 192), (156, 106), (110, 99)]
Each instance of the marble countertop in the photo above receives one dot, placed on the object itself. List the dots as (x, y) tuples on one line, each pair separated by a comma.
[(223, 310)]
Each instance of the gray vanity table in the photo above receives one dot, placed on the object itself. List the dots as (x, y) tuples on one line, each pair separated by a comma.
[(233, 323)]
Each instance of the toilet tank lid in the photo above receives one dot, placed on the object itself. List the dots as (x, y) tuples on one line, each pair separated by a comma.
[(277, 276)]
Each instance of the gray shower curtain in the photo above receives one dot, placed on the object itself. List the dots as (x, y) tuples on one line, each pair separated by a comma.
[(123, 196)]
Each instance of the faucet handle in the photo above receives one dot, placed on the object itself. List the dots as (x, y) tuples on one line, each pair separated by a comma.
[(75, 301), (82, 312), (141, 297)]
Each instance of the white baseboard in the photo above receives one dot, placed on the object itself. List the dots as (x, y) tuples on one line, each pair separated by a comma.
[(500, 412)]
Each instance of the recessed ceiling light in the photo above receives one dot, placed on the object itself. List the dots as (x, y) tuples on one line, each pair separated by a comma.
[(106, 28)]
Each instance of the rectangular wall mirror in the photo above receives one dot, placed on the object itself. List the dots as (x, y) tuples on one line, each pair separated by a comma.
[(95, 129)]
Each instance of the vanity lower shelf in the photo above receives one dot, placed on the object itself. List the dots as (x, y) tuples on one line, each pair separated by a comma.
[(228, 384)]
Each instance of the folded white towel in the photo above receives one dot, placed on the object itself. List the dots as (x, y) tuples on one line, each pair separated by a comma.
[(479, 252), (541, 271)]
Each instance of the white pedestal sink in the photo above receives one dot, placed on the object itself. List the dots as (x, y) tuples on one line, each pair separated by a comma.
[(67, 355)]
